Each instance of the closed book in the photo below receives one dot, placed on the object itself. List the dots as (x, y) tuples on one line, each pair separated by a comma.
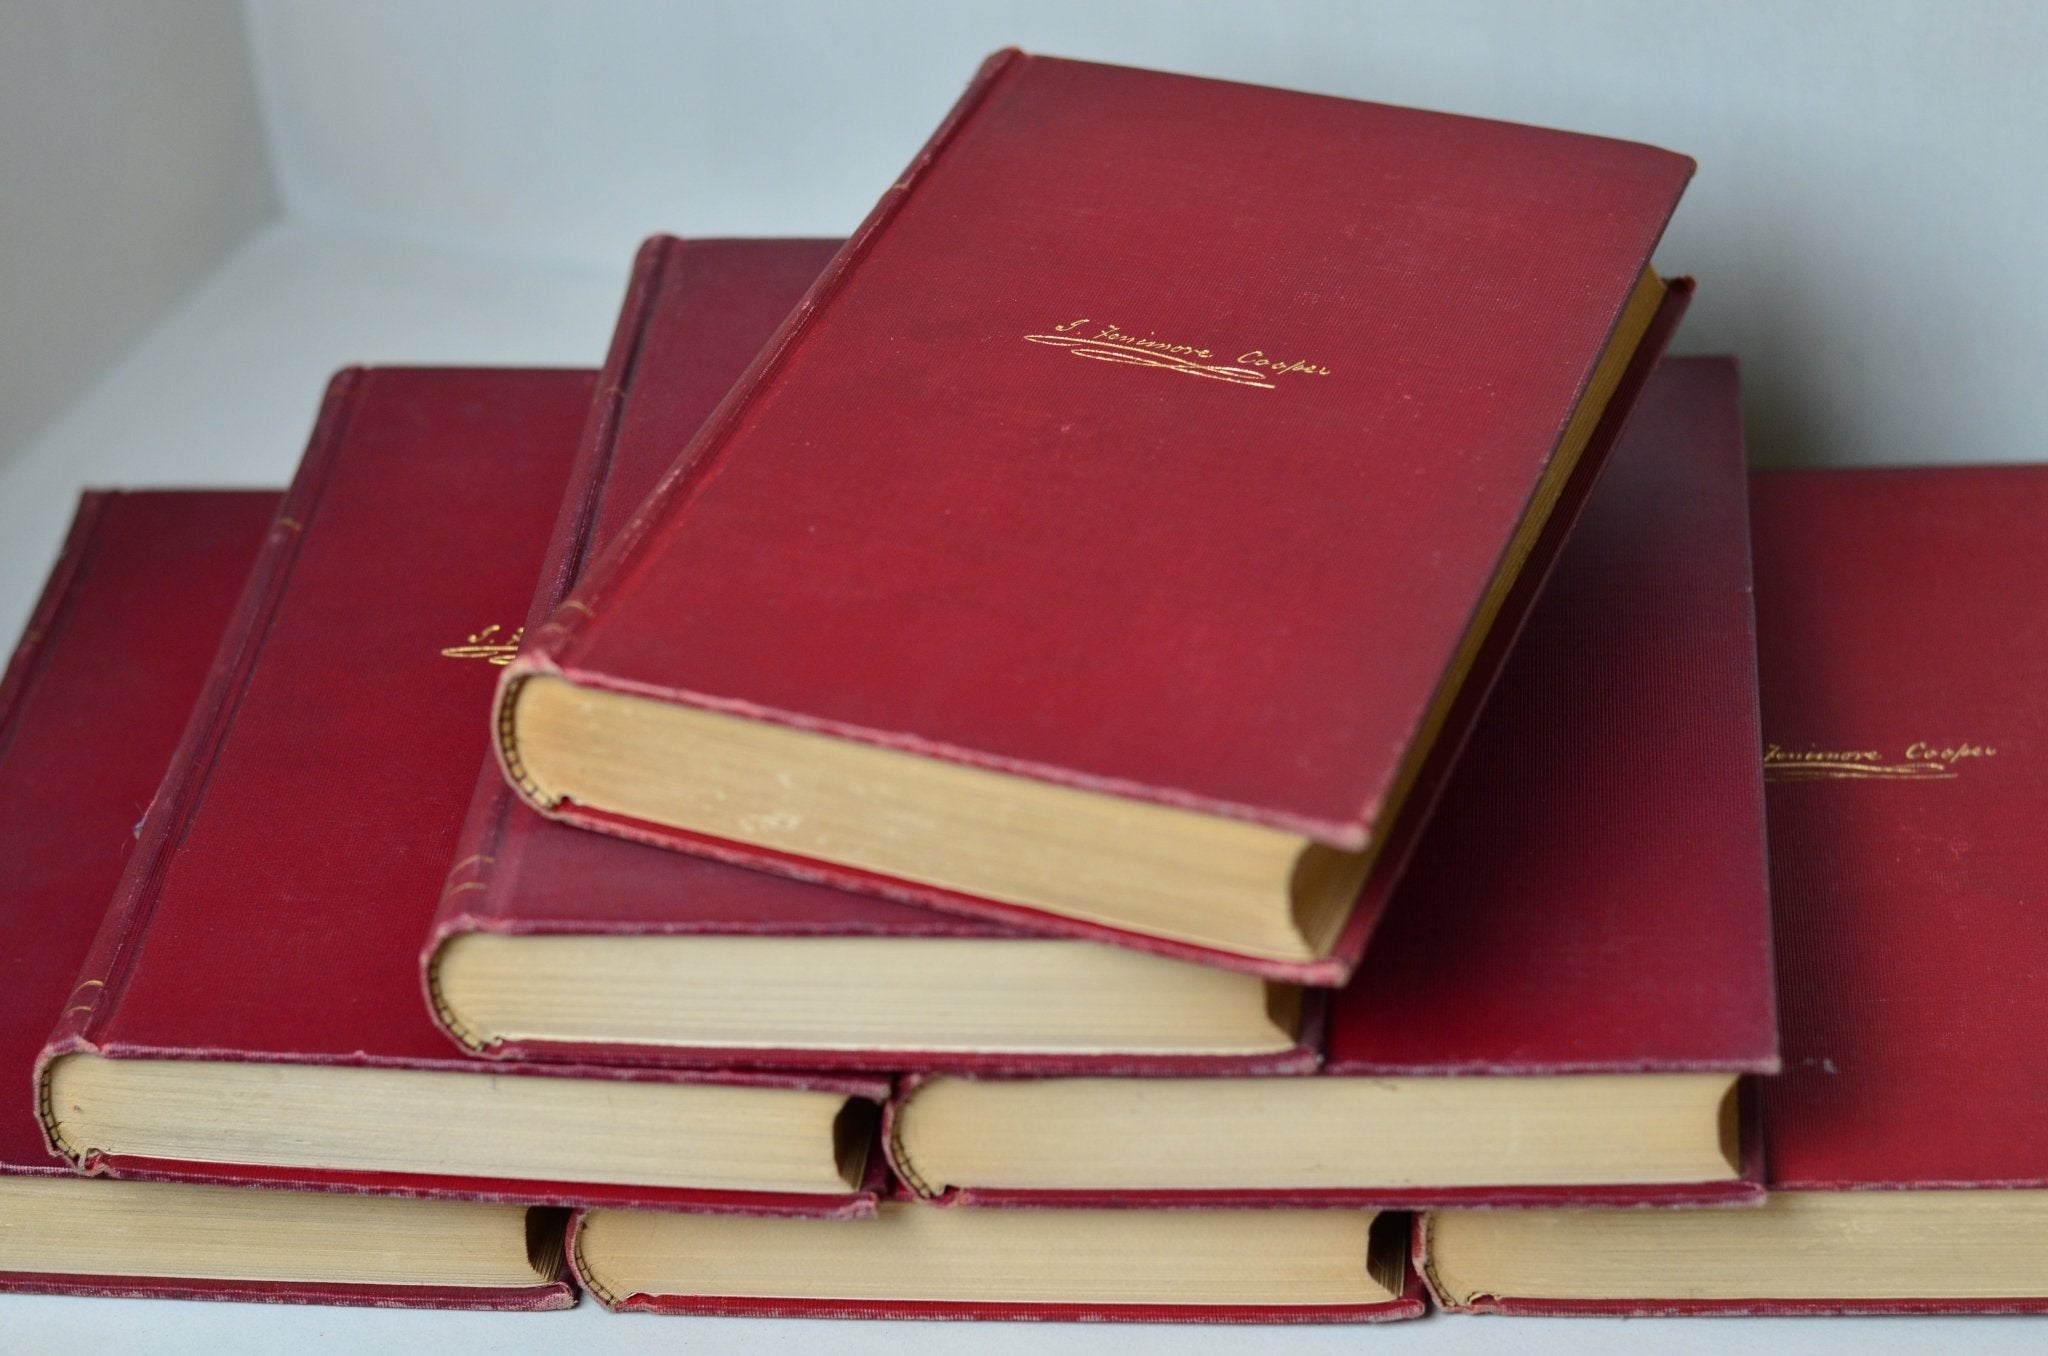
[(1905, 752), (90, 709), (555, 943), (1118, 538), (911, 1261), (1575, 979), (249, 1011)]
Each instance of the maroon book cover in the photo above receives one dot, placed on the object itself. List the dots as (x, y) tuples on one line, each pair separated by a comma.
[(271, 911), (1235, 587), (1905, 754), (695, 313), (90, 709), (1409, 1301), (1591, 895)]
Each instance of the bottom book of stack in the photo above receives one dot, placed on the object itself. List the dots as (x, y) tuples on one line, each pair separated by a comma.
[(93, 700), (1902, 641), (916, 1260)]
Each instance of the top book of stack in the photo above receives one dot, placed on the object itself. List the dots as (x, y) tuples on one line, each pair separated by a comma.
[(1121, 535)]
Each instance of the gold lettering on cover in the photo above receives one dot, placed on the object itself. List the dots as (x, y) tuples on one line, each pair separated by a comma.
[(1921, 760), (85, 987), (493, 645), (1281, 366), (1110, 343)]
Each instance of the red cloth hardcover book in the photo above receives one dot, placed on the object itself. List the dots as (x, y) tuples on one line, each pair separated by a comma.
[(1086, 1265), (249, 1012), (1589, 908), (1118, 539), (1905, 752), (695, 313), (90, 709)]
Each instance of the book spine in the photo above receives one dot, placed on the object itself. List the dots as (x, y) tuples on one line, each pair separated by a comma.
[(30, 653), (546, 647), (482, 872), (579, 1269), (900, 1166), (123, 930), (1419, 1264), (569, 547), (468, 897)]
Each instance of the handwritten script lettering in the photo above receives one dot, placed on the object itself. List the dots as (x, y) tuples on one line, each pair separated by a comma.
[(1110, 343), (1921, 760), (1280, 366), (493, 645)]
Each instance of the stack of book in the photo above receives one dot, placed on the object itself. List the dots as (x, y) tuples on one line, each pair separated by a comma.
[(1174, 731)]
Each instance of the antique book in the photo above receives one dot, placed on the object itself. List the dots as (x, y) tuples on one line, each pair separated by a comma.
[(555, 943), (964, 596), (913, 1261), (250, 1011), (114, 655), (1575, 976), (1906, 756)]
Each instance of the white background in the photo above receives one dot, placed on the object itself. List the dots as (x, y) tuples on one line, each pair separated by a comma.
[(205, 207), (464, 180)]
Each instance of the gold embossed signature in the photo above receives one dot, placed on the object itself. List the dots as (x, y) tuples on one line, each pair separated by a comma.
[(1085, 338), (493, 645), (1920, 761)]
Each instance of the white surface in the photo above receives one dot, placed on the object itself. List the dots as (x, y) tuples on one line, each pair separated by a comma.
[(1867, 224), (464, 181), (224, 390), (131, 163), (49, 1326)]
